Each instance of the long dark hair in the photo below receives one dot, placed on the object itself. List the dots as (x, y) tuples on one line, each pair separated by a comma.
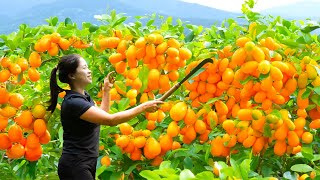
[(67, 65)]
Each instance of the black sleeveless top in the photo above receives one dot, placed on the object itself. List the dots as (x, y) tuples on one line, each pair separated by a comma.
[(79, 136)]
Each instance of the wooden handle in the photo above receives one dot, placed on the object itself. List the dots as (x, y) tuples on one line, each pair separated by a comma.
[(168, 93)]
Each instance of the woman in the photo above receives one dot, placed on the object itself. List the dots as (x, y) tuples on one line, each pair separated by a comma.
[(81, 119)]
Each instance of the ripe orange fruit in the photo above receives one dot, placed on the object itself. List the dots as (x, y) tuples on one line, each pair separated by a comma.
[(190, 117), (258, 54), (123, 141), (33, 74), (39, 127), (34, 59), (5, 141), (136, 154), (33, 154), (14, 68), (125, 128), (44, 139), (15, 133), (16, 151), (24, 119), (173, 43), (152, 148), (5, 62), (140, 141), (105, 161), (307, 137), (32, 141), (228, 126), (38, 111), (23, 63), (178, 111), (200, 126), (245, 114), (166, 143), (280, 147), (239, 56), (16, 100), (173, 129), (227, 76), (221, 107), (4, 75), (293, 139), (115, 58), (64, 43)]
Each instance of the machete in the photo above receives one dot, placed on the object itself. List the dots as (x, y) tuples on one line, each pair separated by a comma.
[(176, 86)]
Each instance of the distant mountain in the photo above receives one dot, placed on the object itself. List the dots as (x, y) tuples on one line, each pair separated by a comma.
[(299, 10), (34, 13)]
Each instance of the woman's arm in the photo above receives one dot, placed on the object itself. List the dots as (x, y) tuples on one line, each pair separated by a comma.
[(98, 116), (107, 85)]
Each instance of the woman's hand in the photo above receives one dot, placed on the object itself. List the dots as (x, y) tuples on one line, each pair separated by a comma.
[(108, 81), (152, 106)]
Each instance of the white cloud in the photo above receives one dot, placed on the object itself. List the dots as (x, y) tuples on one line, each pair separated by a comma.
[(235, 5)]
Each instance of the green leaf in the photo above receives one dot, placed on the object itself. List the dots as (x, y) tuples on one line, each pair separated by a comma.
[(246, 80), (149, 175), (188, 163), (186, 174), (263, 76), (123, 104), (245, 168), (308, 29), (307, 152), (116, 175), (189, 37), (93, 28), (317, 90), (165, 164), (205, 175), (306, 93), (100, 170), (290, 175), (150, 22), (54, 21), (267, 130), (143, 76), (119, 21), (303, 168), (67, 21), (316, 157)]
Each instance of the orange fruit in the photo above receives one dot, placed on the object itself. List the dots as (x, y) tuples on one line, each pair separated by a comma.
[(15, 133), (16, 151), (190, 117), (105, 161), (227, 76), (221, 107), (307, 137), (15, 69), (152, 148), (280, 147), (33, 74), (200, 126), (16, 100), (115, 58), (293, 139), (4, 75), (245, 114), (173, 43), (5, 62), (33, 154), (166, 143), (228, 126), (5, 141), (173, 129), (140, 141), (125, 128), (178, 111), (123, 141), (24, 119), (44, 139), (38, 111), (32, 141), (239, 56), (242, 41), (39, 127), (34, 59)]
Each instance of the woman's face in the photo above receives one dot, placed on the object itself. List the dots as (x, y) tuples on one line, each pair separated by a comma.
[(83, 73)]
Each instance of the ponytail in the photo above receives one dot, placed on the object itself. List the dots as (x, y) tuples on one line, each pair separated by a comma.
[(55, 89)]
